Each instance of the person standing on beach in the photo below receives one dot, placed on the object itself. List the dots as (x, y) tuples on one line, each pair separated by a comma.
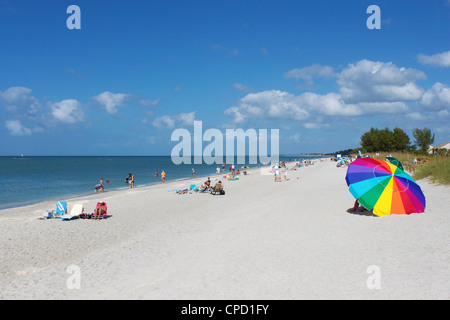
[(131, 180), (163, 176), (193, 173), (102, 186)]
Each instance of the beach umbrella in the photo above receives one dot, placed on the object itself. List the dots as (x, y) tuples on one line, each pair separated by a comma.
[(395, 162), (384, 187), (245, 167)]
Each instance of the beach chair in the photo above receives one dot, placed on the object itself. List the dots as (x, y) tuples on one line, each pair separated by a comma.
[(75, 213), (61, 209), (101, 211), (193, 187)]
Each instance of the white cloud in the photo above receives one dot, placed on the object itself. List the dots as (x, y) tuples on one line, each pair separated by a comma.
[(307, 74), (164, 122), (277, 104), (150, 103), (365, 88), (438, 59), (237, 116), (315, 125), (437, 98), (110, 101), (68, 111), (20, 102), (241, 87), (383, 107), (415, 116), (274, 104), (170, 122), (370, 81), (330, 104), (443, 113), (17, 129)]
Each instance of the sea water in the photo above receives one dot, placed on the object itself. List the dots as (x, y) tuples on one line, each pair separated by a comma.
[(31, 179)]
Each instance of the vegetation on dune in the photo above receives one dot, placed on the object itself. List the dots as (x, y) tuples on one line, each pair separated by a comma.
[(396, 143)]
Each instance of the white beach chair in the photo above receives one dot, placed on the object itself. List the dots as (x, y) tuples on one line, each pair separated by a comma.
[(76, 211)]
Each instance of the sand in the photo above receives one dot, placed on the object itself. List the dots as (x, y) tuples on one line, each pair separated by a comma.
[(263, 240)]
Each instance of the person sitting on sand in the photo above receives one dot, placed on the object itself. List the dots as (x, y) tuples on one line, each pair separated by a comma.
[(356, 206), (206, 185), (218, 188)]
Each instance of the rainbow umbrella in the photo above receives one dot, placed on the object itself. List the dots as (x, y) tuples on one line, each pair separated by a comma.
[(384, 187)]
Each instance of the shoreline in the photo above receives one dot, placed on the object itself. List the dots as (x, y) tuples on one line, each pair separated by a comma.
[(72, 198), (81, 192)]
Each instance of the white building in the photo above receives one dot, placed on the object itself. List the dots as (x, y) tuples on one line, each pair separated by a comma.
[(433, 149)]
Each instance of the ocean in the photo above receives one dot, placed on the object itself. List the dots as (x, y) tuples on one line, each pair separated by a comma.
[(31, 179)]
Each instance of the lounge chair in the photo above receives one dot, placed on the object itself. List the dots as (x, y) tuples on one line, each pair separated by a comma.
[(194, 188), (75, 213)]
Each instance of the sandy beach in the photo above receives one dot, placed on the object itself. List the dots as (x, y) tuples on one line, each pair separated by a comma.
[(262, 240)]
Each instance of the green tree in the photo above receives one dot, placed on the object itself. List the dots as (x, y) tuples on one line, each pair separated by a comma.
[(385, 140), (423, 138), (369, 140), (402, 141), (378, 140)]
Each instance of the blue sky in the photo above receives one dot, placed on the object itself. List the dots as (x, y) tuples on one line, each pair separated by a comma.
[(138, 70)]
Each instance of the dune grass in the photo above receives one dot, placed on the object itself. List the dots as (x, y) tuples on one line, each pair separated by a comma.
[(437, 169)]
